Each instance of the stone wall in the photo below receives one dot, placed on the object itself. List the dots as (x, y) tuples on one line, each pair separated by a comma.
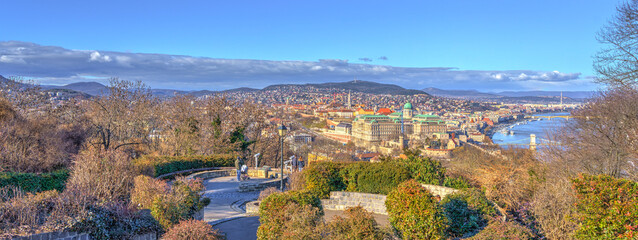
[(341, 200), (439, 190), (76, 236), (251, 187), (254, 173), (183, 172), (258, 173), (213, 174), (56, 235), (252, 208)]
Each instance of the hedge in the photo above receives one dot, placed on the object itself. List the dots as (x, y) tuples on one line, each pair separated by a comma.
[(289, 215), (423, 169), (34, 182), (323, 177), (377, 178), (158, 165)]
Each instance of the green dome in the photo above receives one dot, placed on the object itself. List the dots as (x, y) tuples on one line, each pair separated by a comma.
[(407, 106)]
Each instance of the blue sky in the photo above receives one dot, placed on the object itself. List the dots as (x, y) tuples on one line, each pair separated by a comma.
[(469, 44)]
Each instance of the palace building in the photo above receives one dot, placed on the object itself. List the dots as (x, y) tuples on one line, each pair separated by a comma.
[(405, 124)]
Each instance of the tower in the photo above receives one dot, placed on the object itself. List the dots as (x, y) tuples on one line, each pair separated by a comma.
[(532, 142), (561, 98), (401, 138), (349, 103), (407, 111)]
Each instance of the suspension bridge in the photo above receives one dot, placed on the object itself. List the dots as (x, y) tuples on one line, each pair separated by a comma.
[(531, 142)]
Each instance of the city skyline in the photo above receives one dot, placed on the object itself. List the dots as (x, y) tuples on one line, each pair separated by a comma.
[(487, 46)]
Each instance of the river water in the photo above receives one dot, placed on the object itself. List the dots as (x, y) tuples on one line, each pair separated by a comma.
[(522, 130)]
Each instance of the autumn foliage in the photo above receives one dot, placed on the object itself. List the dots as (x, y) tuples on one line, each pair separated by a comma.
[(606, 207), (415, 213)]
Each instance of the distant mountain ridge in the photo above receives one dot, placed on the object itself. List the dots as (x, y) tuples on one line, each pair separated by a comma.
[(91, 88), (357, 86), (458, 93), (577, 95), (95, 88), (570, 94)]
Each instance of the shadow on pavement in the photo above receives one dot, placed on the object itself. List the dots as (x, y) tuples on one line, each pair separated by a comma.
[(240, 229)]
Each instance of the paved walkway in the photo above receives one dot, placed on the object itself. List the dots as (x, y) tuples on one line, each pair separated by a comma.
[(225, 200), (225, 211), (244, 228)]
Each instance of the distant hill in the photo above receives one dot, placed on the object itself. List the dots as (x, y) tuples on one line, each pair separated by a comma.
[(570, 94), (166, 92), (357, 86), (91, 88), (459, 93), (537, 99), (9, 81), (512, 95), (241, 89)]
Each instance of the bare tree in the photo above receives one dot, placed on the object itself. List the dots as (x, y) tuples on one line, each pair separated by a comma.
[(124, 116), (617, 63), (603, 136)]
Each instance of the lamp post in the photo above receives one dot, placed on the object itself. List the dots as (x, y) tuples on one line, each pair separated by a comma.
[(282, 132)]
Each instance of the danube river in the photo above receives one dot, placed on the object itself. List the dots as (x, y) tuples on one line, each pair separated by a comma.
[(522, 130)]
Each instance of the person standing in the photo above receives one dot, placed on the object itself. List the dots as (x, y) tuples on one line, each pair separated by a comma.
[(293, 162), (301, 164), (238, 163)]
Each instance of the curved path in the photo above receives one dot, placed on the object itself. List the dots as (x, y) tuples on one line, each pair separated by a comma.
[(225, 211)]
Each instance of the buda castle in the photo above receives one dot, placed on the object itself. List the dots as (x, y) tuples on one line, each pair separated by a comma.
[(401, 126)]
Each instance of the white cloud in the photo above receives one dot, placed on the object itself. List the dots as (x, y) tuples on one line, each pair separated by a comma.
[(11, 59), (97, 57), (51, 63)]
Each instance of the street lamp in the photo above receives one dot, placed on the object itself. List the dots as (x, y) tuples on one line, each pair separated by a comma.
[(282, 132)]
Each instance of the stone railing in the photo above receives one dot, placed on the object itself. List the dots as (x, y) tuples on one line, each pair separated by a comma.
[(253, 186), (439, 191), (56, 235), (212, 174), (184, 172), (77, 236), (252, 208), (254, 173), (341, 200)]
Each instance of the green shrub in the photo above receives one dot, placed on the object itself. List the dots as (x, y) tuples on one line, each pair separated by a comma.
[(193, 230), (180, 203), (379, 178), (33, 182), (323, 177), (289, 215), (159, 165), (423, 169), (466, 211), (414, 212), (606, 207), (498, 230), (358, 224), (456, 182)]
